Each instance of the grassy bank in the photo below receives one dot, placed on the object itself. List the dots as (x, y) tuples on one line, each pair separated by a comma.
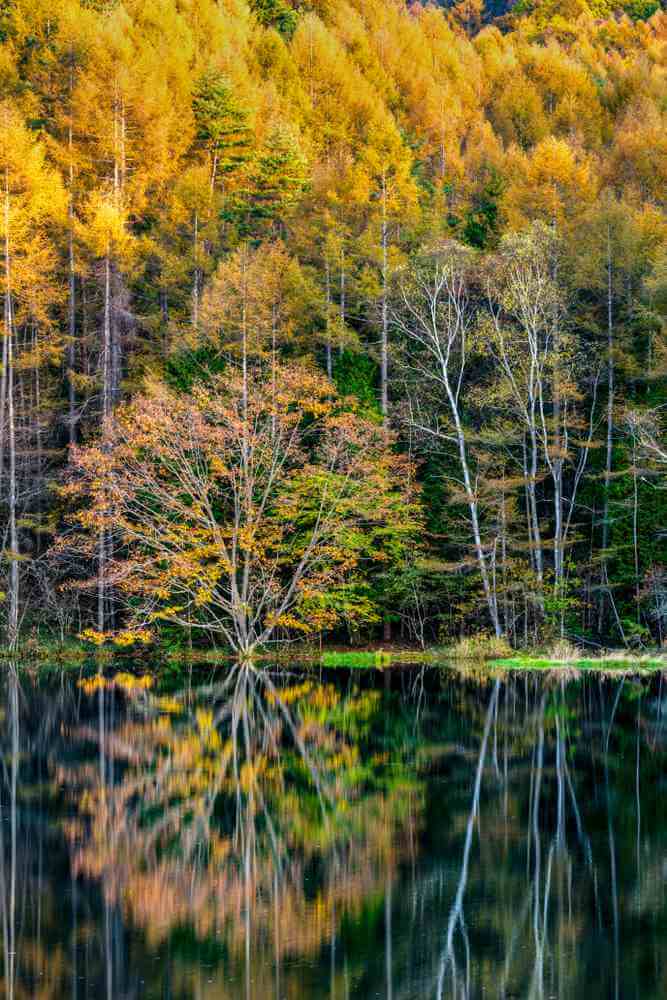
[(604, 663), (382, 659), (480, 651)]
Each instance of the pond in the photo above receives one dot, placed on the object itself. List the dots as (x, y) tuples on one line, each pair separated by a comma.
[(262, 833)]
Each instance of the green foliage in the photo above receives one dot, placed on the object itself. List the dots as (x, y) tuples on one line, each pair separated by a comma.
[(641, 10), (183, 369), (277, 14), (481, 220), (357, 375), (277, 179), (222, 123), (546, 11)]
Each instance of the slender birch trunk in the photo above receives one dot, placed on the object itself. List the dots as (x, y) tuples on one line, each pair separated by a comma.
[(111, 346), (195, 277), (13, 621), (503, 556), (71, 345), (116, 373), (37, 410), (384, 346), (610, 425), (342, 299), (107, 397), (438, 317), (3, 392), (248, 640), (8, 392), (556, 468), (473, 508), (327, 346), (635, 527), (534, 513)]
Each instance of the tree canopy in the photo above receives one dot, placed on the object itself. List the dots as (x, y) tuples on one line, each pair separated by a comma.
[(190, 188)]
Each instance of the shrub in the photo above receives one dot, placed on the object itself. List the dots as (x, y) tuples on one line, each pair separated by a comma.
[(481, 647)]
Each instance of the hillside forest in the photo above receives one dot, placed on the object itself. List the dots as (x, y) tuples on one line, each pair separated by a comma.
[(340, 319)]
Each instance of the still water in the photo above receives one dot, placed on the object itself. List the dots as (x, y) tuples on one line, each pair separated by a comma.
[(256, 833)]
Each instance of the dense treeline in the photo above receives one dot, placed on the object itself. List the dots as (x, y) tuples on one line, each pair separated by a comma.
[(344, 316)]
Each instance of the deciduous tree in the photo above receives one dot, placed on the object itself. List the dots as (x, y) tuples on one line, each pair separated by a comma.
[(245, 508)]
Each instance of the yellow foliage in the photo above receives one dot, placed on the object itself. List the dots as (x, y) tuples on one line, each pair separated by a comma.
[(92, 635)]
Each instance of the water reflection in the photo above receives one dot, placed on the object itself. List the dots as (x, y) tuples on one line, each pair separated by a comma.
[(249, 811), (9, 831), (273, 834)]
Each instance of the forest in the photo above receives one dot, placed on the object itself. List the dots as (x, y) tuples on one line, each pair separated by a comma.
[(340, 320)]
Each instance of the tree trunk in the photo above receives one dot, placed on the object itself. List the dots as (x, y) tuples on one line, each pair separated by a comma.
[(473, 508), (107, 397), (556, 461), (384, 345), (342, 300), (195, 277), (503, 556), (384, 342), (635, 529), (327, 347), (8, 352), (71, 345), (116, 373), (106, 340), (37, 410), (557, 477), (610, 427), (532, 495), (3, 392), (13, 620), (101, 581)]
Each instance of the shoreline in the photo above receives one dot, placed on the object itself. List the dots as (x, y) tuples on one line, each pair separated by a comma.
[(80, 656)]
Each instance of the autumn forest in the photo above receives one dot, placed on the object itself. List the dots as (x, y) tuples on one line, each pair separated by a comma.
[(340, 321)]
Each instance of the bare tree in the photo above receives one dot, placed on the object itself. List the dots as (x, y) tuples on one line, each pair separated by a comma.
[(537, 359), (435, 315), (647, 427)]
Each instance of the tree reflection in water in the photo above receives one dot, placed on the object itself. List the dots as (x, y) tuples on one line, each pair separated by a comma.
[(272, 834), (251, 810)]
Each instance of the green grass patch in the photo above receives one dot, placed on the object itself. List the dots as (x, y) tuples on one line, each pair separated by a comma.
[(592, 663), (374, 660)]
